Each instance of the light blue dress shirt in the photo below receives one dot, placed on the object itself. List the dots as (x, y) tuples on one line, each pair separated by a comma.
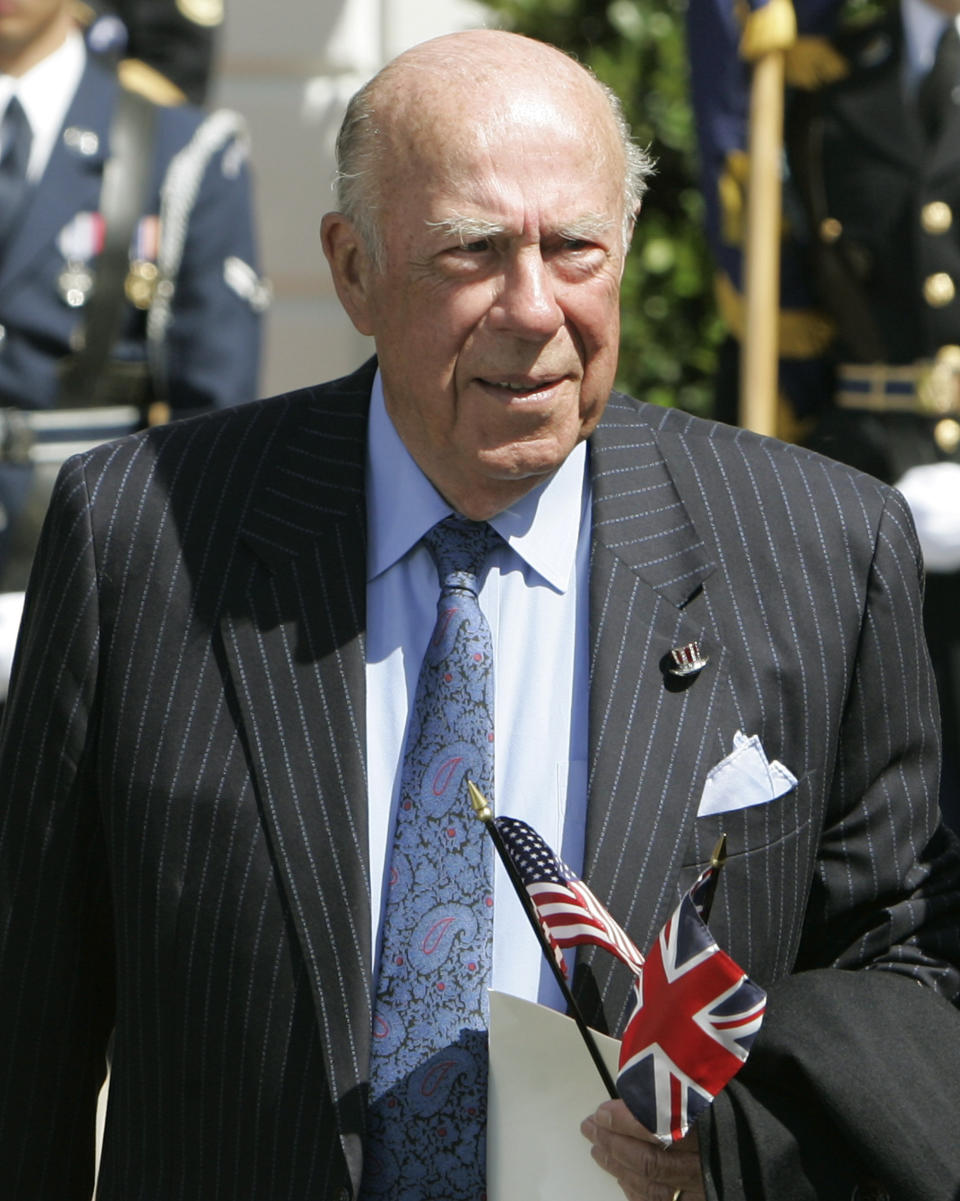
[(534, 596)]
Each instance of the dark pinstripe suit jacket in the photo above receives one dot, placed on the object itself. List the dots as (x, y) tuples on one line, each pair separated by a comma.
[(184, 823)]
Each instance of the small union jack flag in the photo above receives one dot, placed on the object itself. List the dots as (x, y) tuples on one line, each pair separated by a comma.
[(694, 1020), (569, 913)]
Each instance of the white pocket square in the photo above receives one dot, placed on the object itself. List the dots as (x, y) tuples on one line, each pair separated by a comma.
[(744, 778)]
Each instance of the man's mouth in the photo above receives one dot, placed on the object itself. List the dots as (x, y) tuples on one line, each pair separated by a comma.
[(522, 387)]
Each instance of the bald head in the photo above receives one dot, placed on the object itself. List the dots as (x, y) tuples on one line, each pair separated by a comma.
[(471, 90), (487, 191)]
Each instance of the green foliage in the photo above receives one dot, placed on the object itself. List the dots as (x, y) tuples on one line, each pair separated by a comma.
[(670, 327)]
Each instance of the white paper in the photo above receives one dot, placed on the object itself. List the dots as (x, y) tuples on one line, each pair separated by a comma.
[(543, 1083)]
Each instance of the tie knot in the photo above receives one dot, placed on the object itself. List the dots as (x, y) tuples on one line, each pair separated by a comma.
[(459, 548)]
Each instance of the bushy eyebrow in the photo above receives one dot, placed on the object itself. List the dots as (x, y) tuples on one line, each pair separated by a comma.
[(466, 229), (589, 227)]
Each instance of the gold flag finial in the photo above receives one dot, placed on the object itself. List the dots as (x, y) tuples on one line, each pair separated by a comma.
[(481, 806), (718, 858)]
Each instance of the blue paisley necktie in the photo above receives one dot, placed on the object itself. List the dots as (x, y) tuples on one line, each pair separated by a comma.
[(428, 1072)]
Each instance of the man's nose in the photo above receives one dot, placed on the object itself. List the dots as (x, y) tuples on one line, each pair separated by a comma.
[(527, 301)]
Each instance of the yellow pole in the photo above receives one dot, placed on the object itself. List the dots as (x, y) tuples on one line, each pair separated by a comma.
[(759, 348)]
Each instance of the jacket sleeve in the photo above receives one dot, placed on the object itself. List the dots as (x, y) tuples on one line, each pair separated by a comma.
[(56, 944), (851, 1091), (886, 887)]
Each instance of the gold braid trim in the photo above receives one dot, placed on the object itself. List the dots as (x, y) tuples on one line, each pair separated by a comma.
[(801, 333), (732, 190), (138, 76), (812, 62)]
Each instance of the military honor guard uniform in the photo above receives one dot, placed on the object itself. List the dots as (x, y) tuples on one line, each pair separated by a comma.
[(870, 269), (129, 285)]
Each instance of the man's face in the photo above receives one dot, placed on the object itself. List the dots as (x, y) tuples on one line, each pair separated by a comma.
[(496, 312), (25, 24)]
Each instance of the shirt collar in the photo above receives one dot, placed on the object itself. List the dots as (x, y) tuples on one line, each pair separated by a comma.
[(542, 527)]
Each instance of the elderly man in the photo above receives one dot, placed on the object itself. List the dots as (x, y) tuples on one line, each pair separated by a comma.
[(235, 830)]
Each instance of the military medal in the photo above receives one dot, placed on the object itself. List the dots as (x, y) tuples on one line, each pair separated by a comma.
[(80, 241), (75, 283), (141, 283)]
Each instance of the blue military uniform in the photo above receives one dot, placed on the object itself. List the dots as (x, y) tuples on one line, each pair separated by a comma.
[(189, 329), (212, 340)]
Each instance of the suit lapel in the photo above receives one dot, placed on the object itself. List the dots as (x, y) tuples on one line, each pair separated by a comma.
[(873, 106), (649, 742), (945, 154), (294, 642), (72, 180)]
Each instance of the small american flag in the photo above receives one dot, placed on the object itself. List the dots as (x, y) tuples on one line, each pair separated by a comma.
[(569, 912), (694, 1020)]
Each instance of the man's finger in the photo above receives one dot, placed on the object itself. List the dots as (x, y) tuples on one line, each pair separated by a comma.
[(645, 1170)]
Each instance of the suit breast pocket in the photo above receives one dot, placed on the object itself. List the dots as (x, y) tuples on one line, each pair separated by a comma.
[(753, 828), (761, 898)]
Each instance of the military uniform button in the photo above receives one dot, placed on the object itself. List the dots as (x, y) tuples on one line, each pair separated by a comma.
[(936, 217), (830, 229), (946, 434), (202, 12), (938, 290)]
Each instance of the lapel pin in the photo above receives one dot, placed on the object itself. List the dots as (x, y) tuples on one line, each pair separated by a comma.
[(686, 660)]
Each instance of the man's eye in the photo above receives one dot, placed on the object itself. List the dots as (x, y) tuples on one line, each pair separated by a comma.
[(575, 244), (478, 246)]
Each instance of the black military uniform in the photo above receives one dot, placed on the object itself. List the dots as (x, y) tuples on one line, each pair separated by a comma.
[(881, 196), (870, 325), (175, 37)]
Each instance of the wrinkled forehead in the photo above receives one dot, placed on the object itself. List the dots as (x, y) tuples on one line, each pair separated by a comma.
[(517, 144), (493, 103)]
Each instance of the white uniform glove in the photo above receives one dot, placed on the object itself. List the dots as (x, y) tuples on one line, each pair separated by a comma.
[(11, 607), (933, 494)]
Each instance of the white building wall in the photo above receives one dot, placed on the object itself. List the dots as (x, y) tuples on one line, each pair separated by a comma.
[(289, 68)]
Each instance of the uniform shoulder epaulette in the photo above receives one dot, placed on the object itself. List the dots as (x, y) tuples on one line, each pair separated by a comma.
[(142, 79)]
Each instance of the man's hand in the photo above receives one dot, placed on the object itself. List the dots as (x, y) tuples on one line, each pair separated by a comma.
[(643, 1169)]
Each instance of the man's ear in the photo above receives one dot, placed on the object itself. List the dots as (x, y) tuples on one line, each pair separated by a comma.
[(350, 267)]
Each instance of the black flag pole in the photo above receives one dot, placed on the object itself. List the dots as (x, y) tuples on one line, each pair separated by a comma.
[(481, 808)]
